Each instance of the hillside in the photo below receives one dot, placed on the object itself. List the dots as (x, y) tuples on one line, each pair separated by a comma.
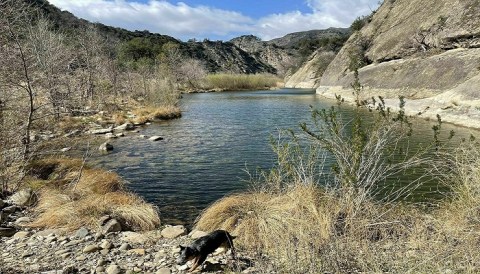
[(293, 40), (245, 54)]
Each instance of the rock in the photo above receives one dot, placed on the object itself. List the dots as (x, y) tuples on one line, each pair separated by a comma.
[(100, 269), (143, 136), (101, 131), (121, 134), (3, 216), (81, 233), (133, 237), (138, 251), (111, 226), (10, 209), (113, 269), (155, 138), (21, 235), (91, 248), (23, 198), (81, 258), (103, 220), (126, 126), (124, 247), (106, 245), (172, 232), (65, 149), (106, 147), (7, 231), (110, 136), (182, 267), (2, 204), (22, 221), (73, 133), (195, 234), (48, 232), (101, 262), (164, 271)]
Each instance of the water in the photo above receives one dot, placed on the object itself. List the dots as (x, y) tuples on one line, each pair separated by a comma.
[(205, 153)]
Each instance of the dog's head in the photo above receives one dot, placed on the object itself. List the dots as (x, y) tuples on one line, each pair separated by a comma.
[(186, 254)]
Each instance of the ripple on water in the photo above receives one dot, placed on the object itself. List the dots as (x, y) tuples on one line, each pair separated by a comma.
[(205, 153)]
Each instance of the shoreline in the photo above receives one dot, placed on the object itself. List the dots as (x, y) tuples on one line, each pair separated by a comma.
[(454, 111)]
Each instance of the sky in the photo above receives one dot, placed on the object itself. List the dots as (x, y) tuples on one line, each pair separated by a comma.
[(220, 19)]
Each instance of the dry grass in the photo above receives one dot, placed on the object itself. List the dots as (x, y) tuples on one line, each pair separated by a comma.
[(146, 114), (224, 81), (70, 201), (303, 229)]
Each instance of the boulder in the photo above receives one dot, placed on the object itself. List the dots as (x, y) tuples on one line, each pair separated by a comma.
[(172, 232), (155, 138), (126, 126), (106, 147), (81, 233), (111, 226), (23, 198), (7, 231), (133, 237)]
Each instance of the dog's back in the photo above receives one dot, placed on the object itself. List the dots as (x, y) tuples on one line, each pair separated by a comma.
[(209, 243), (205, 245)]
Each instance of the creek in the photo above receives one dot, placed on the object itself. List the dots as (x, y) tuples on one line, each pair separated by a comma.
[(205, 154)]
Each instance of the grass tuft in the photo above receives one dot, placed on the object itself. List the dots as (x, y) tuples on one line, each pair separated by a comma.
[(70, 200)]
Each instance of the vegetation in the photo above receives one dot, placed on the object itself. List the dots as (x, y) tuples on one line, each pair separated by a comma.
[(73, 195), (224, 81), (303, 221)]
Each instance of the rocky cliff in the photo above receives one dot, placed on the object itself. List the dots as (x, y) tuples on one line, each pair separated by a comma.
[(428, 51), (280, 58)]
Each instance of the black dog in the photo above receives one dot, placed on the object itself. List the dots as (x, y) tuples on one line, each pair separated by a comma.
[(201, 247)]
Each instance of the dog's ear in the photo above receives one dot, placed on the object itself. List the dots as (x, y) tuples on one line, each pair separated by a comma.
[(182, 247)]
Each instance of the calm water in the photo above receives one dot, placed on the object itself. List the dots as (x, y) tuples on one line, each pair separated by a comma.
[(205, 153)]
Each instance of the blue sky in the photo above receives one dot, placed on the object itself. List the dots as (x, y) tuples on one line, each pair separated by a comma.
[(221, 19)]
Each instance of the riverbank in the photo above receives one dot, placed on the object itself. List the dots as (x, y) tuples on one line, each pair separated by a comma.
[(452, 108)]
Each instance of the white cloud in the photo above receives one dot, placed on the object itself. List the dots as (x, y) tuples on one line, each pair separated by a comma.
[(183, 21)]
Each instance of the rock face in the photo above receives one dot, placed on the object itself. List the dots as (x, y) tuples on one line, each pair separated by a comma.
[(413, 47), (309, 75), (427, 51), (278, 57)]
